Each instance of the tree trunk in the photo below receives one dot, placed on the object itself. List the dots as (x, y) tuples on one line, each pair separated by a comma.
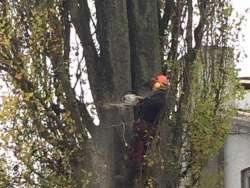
[(144, 41), (114, 81), (121, 72)]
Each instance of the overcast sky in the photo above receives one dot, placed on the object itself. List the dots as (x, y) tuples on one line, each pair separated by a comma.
[(240, 6)]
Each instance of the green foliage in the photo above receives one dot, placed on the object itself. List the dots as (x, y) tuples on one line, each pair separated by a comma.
[(5, 179), (204, 87), (212, 99), (214, 180), (39, 158), (36, 117)]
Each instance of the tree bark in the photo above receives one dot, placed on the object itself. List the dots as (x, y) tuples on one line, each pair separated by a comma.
[(144, 41), (114, 81)]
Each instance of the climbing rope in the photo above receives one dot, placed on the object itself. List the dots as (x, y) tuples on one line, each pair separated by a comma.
[(123, 125)]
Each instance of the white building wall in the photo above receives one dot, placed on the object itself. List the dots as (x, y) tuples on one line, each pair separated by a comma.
[(237, 158), (244, 104)]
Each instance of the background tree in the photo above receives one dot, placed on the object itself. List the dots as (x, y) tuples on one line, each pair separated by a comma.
[(124, 44)]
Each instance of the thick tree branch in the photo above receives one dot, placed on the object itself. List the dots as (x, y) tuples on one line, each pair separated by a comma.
[(168, 11), (88, 120), (80, 16), (28, 87), (189, 35), (176, 22), (66, 31), (60, 67), (198, 32), (70, 101)]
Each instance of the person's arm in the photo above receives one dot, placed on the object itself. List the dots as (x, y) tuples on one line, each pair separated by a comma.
[(140, 98)]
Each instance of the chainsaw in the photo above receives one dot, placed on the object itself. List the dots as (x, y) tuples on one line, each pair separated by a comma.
[(131, 99)]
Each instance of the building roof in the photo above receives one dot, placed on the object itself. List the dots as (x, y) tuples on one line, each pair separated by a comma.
[(245, 82)]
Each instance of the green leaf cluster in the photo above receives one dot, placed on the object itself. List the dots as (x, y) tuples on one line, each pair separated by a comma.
[(36, 117)]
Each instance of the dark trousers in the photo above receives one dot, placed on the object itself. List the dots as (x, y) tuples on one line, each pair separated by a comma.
[(143, 132)]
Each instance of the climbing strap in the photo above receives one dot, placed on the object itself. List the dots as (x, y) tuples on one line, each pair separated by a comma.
[(123, 125)]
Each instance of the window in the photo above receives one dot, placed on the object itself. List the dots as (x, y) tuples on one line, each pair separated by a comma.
[(245, 178)]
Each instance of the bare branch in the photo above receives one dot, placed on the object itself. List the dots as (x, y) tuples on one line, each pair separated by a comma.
[(6, 67)]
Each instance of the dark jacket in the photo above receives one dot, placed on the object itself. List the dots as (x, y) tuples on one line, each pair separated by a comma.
[(151, 107)]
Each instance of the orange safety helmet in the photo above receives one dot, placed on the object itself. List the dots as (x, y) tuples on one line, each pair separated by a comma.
[(161, 79)]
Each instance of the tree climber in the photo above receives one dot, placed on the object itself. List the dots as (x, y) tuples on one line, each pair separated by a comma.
[(144, 128)]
